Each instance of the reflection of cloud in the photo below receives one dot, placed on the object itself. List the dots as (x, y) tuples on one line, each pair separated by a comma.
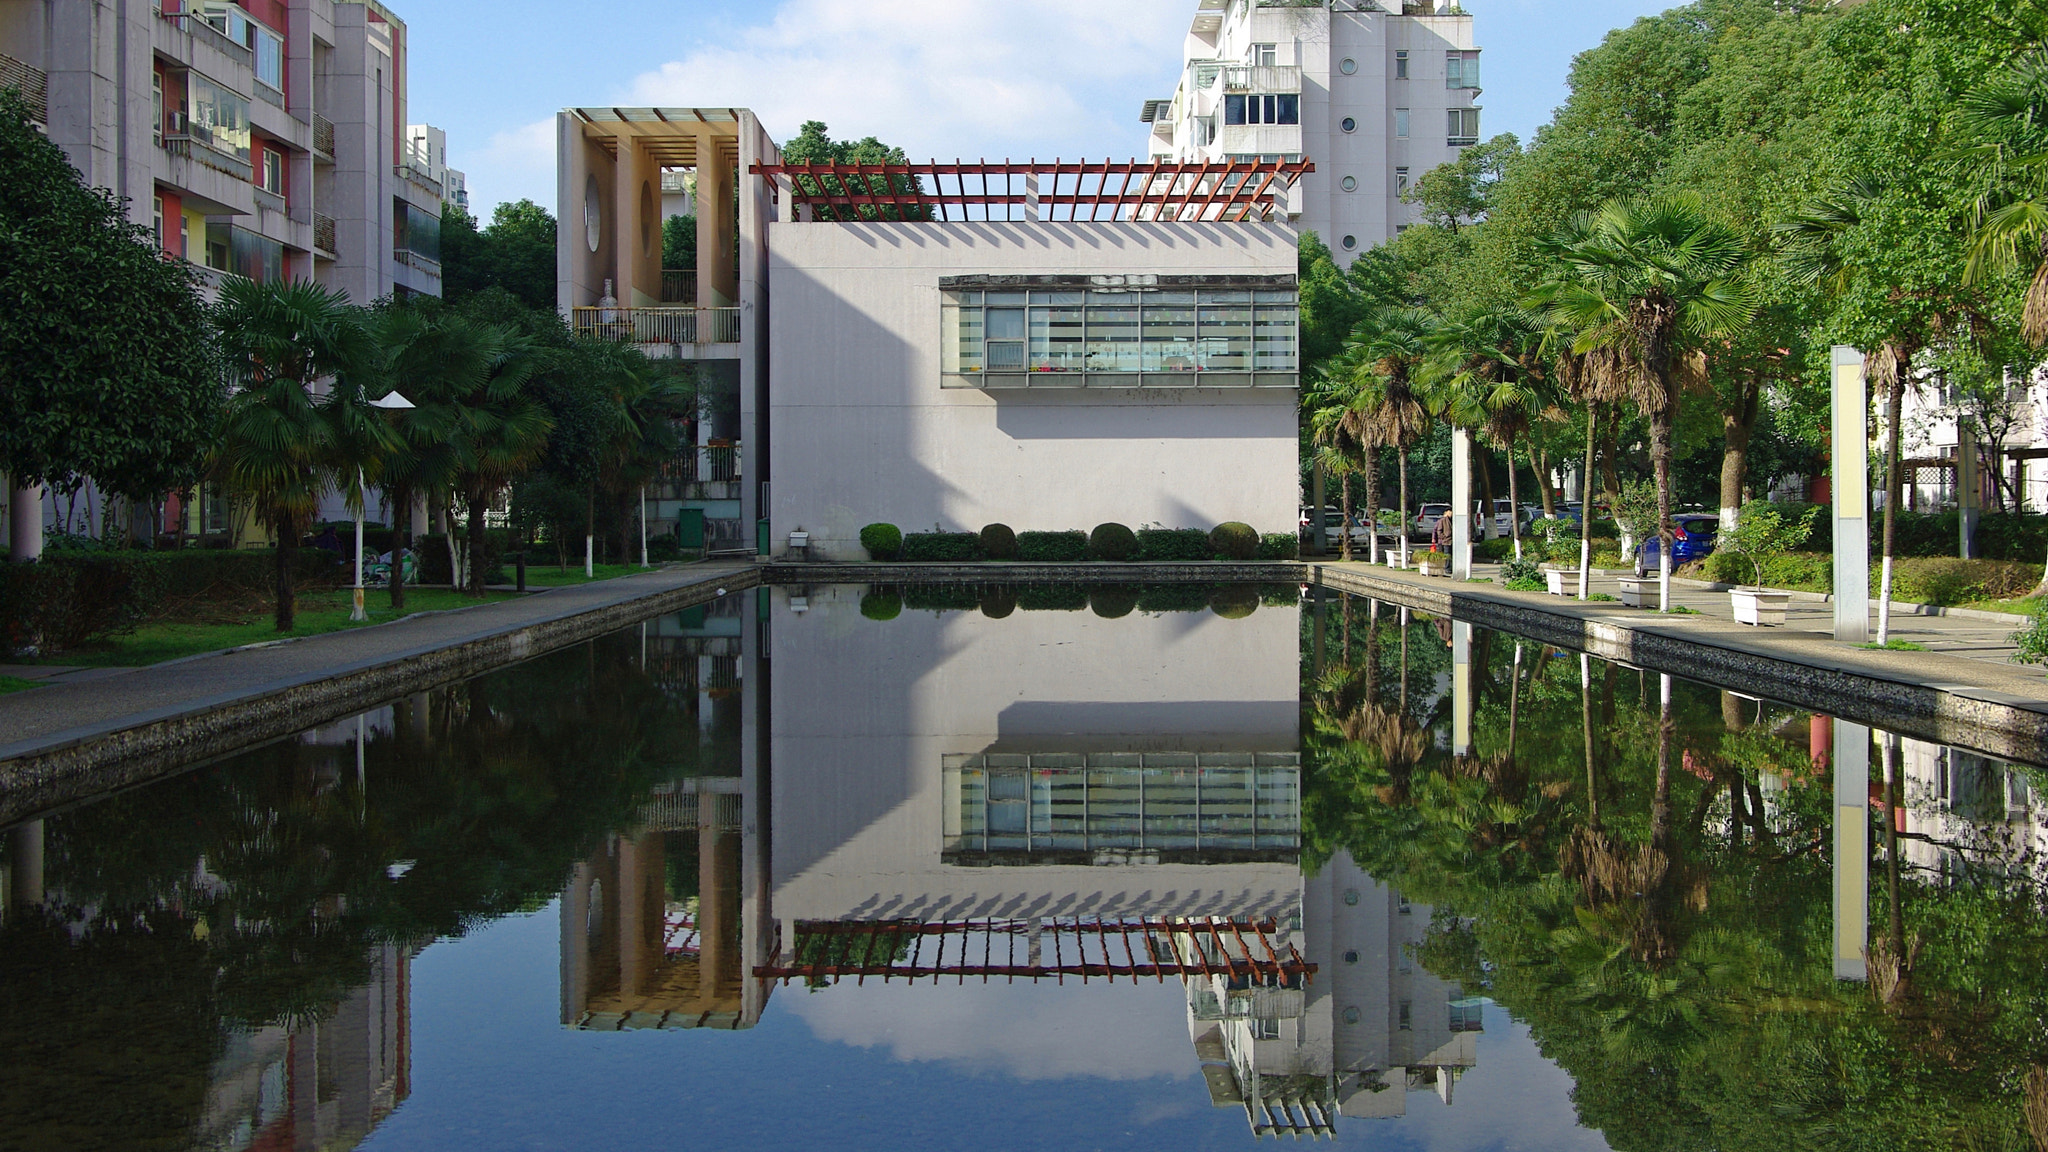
[(1043, 1031)]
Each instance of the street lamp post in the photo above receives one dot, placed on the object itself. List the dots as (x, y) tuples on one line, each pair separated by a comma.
[(390, 402)]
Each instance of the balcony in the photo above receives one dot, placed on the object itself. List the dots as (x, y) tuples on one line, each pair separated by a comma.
[(411, 259), (413, 172), (1262, 78), (669, 325), (196, 149), (206, 36), (323, 138), (705, 472), (323, 235), (678, 285), (33, 84)]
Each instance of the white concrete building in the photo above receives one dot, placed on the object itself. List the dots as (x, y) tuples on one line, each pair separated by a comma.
[(1374, 92), (426, 149)]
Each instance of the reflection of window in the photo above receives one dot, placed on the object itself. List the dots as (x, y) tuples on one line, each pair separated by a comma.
[(1129, 330), (1265, 1029), (1465, 1015), (1277, 109)]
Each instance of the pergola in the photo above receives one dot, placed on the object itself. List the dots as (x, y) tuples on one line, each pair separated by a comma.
[(1059, 190)]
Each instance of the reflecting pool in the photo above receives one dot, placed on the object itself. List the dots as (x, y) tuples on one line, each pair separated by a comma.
[(1042, 868)]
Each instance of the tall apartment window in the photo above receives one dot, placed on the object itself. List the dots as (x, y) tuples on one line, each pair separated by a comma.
[(1279, 109), (1400, 181), (1265, 54), (1401, 65), (156, 103), (220, 117), (1407, 1013), (273, 171), (1464, 127), (269, 51), (1401, 123), (157, 219), (184, 236), (1461, 69)]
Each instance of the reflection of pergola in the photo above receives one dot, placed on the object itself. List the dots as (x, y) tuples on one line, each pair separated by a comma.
[(1241, 952)]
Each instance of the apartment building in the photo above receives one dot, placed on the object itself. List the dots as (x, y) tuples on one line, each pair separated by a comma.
[(265, 138), (427, 149), (1373, 92)]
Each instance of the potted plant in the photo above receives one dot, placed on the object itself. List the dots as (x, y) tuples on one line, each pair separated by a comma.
[(1762, 534)]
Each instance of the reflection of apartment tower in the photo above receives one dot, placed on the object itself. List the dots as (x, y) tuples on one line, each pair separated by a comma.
[(651, 933), (322, 1085), (1969, 816), (1372, 1026)]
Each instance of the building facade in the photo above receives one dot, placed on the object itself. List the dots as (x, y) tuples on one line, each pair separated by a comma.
[(426, 149), (1374, 92)]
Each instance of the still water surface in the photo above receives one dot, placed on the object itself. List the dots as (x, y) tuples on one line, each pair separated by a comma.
[(1040, 869)]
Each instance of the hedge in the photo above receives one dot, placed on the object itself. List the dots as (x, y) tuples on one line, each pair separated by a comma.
[(999, 542), (1052, 597), (1052, 546), (71, 598), (1174, 544), (883, 541), (1939, 580), (941, 597), (1279, 546), (941, 546), (1112, 542)]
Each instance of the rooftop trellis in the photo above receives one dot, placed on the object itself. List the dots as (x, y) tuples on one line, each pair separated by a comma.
[(1055, 191)]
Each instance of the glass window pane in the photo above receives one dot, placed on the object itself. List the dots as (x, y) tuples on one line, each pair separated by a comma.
[(1169, 330), (1014, 298), (1290, 109), (1005, 323), (1113, 336), (1224, 342), (1273, 339), (1057, 343), (970, 339), (1233, 109)]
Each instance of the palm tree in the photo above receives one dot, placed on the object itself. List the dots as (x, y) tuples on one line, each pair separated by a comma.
[(1491, 364), (1644, 276), (2004, 124), (1389, 344), (652, 402), (433, 360), (279, 443), (498, 429), (1346, 440)]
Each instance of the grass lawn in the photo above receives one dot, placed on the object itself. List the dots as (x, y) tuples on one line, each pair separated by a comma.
[(17, 684), (228, 627), (2023, 606), (549, 576)]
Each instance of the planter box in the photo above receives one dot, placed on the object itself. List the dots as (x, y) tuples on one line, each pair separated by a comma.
[(1759, 606), (1435, 565), (1563, 581), (1637, 593)]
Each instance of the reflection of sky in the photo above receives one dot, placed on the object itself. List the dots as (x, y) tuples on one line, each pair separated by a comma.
[(1024, 1066)]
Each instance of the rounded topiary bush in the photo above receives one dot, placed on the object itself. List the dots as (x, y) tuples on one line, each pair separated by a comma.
[(1234, 601), (1235, 540), (883, 541), (997, 603), (1112, 542), (1112, 601), (881, 604), (998, 542)]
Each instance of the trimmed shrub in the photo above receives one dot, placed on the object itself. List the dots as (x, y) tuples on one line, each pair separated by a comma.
[(1235, 540), (69, 598), (35, 607), (881, 604), (941, 598), (1052, 547), (997, 603), (953, 546), (1234, 601), (1174, 544), (1804, 571), (1113, 542), (1514, 570), (883, 541), (1113, 600), (1052, 597), (1948, 581), (1279, 546), (1174, 597), (998, 542)]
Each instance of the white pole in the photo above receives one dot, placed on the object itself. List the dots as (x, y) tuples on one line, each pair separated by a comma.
[(1850, 459), (643, 527), (357, 612), (1461, 503), (589, 556)]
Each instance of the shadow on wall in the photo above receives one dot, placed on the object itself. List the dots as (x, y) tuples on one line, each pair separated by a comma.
[(1140, 415)]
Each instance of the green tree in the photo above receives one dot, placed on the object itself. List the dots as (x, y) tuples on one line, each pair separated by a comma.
[(813, 144), (106, 361), (497, 429), (515, 252), (679, 243)]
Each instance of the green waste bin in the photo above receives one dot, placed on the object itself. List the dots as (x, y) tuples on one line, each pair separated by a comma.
[(690, 528), (761, 535)]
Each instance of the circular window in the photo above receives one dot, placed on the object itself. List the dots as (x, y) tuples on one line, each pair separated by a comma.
[(593, 213), (1351, 956), (1350, 894), (1350, 242), (1348, 66), (1348, 124), (1350, 183), (1351, 1015)]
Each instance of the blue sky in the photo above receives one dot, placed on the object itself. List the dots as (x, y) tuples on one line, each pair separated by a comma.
[(947, 78)]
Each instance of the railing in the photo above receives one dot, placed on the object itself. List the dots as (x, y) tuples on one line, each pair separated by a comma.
[(1275, 78), (418, 175), (323, 136), (412, 259), (30, 81), (713, 463), (678, 285), (674, 183), (661, 325), (195, 24), (196, 148), (323, 234)]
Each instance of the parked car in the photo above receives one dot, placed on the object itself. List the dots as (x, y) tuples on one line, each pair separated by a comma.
[(1425, 519), (1693, 539)]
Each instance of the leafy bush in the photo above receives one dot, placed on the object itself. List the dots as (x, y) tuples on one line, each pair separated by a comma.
[(1527, 584), (1762, 533), (1279, 595), (1803, 571), (1517, 570), (1174, 597), (1052, 547), (955, 546), (1279, 546), (998, 542), (941, 598), (1234, 601), (71, 598), (1112, 542), (1175, 544), (35, 607), (661, 549), (2031, 639), (1113, 600), (1052, 597), (881, 604), (1948, 581), (1235, 540), (997, 603), (883, 541)]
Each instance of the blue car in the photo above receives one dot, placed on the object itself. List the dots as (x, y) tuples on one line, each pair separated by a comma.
[(1694, 540)]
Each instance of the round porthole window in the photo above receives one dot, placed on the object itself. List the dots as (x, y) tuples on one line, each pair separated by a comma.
[(1349, 183), (1351, 956), (1350, 242), (1350, 894), (1348, 66), (593, 213), (1348, 124), (1351, 1015)]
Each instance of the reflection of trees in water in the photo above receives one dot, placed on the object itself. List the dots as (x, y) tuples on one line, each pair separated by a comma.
[(252, 892), (1647, 887)]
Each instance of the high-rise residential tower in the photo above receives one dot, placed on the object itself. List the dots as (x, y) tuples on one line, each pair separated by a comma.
[(1374, 92)]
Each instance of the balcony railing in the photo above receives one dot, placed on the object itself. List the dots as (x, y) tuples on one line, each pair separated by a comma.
[(323, 136), (418, 175), (677, 325), (1273, 78), (268, 94), (412, 259), (678, 285), (323, 234), (33, 85), (196, 25), (715, 463), (196, 148)]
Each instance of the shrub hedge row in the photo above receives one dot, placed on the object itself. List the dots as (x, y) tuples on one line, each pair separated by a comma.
[(886, 602), (1112, 542), (71, 598), (1940, 580)]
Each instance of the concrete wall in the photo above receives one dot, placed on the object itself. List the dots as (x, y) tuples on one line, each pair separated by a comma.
[(864, 433)]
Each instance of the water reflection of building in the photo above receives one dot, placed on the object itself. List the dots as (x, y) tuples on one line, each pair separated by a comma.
[(1967, 816), (320, 1085)]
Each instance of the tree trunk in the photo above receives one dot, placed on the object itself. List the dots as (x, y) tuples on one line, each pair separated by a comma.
[(1514, 500), (1403, 454), (1344, 520), (1586, 728), (478, 501), (1661, 422), (1610, 456), (1372, 501), (1738, 424), (287, 552), (1894, 402), (1479, 461), (1586, 500), (1542, 470), (401, 543)]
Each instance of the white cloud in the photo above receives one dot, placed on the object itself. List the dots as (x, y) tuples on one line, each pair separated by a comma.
[(521, 158)]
